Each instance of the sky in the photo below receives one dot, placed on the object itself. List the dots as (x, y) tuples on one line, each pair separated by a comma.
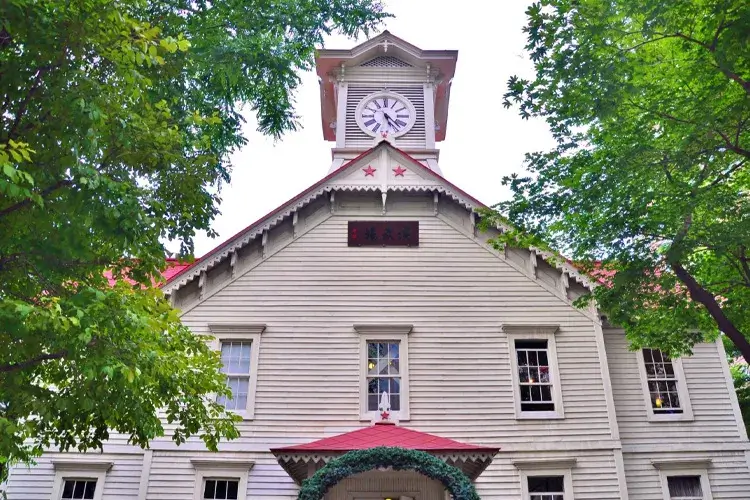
[(484, 141)]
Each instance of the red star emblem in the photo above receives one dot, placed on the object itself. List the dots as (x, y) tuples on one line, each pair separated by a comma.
[(399, 171), (385, 415), (369, 171)]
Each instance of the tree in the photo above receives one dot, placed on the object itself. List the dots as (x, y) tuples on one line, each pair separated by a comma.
[(650, 105), (117, 121)]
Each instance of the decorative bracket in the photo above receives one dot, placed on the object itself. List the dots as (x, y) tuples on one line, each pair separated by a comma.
[(332, 199), (384, 195), (201, 285), (295, 219), (435, 199), (264, 243), (233, 263)]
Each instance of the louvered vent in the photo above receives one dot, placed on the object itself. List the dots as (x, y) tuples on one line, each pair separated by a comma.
[(355, 137), (386, 62)]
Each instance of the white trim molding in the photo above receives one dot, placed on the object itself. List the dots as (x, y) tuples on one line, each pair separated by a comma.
[(378, 328), (681, 468), (385, 332), (522, 332), (221, 468), (81, 469), (682, 390), (546, 467), (225, 332)]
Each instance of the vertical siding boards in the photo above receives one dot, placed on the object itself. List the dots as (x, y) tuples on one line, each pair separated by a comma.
[(727, 474), (714, 418)]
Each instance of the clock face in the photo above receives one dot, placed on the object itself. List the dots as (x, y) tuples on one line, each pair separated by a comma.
[(385, 112)]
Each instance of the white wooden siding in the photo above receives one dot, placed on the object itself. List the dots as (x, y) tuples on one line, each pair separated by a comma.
[(728, 474), (311, 290), (712, 406), (35, 483), (594, 475)]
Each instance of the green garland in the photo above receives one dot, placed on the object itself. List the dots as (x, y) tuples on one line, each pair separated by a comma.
[(355, 462)]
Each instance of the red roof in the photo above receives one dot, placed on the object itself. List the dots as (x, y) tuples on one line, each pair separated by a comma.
[(385, 434)]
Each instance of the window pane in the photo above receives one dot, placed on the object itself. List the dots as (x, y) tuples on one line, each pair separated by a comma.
[(372, 402), (546, 484), (393, 348), (79, 489), (208, 490), (232, 488), (395, 385), (372, 386), (88, 494), (393, 367), (685, 487), (395, 402), (221, 490), (68, 489)]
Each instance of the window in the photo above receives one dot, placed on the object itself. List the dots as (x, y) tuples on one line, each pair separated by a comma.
[(664, 386), (684, 478), (535, 374), (546, 479), (221, 478), (235, 360), (546, 487), (78, 489), (383, 373), (684, 488), (384, 358), (221, 489), (80, 478), (239, 346)]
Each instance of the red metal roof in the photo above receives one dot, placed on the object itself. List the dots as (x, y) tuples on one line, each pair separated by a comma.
[(385, 434)]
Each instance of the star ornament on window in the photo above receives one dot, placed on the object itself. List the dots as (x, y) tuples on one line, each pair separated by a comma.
[(385, 406)]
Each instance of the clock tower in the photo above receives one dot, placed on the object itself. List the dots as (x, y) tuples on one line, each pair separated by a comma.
[(385, 89)]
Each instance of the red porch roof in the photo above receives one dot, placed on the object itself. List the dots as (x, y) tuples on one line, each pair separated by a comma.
[(385, 434)]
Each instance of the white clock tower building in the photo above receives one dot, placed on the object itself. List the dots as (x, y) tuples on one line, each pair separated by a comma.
[(385, 89)]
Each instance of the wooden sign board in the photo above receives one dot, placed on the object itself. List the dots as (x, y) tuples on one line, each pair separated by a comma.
[(399, 233)]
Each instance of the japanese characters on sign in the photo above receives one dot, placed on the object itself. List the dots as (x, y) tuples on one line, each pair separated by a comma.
[(383, 233)]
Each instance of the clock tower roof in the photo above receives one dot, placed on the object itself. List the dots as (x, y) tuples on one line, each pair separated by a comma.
[(331, 66)]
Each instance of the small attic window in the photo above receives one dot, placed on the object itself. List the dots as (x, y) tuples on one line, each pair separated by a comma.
[(386, 62)]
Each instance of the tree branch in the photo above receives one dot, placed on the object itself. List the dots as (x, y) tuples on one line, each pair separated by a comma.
[(26, 202), (22, 365), (702, 296)]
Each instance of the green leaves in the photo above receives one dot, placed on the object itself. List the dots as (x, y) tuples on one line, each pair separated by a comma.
[(650, 105), (118, 119)]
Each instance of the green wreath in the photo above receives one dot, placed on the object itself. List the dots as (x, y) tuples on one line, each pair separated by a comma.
[(355, 462)]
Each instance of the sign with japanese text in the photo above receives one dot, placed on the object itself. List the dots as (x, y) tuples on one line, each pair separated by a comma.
[(383, 233)]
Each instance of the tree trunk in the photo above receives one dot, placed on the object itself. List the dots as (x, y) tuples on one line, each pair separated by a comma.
[(703, 296)]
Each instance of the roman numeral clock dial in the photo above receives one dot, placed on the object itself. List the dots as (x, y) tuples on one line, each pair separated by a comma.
[(385, 113)]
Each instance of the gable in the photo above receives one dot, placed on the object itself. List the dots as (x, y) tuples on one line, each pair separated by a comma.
[(452, 260)]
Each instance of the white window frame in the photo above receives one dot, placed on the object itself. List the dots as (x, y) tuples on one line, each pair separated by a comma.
[(381, 333), (546, 467), (79, 469), (221, 468), (237, 333), (682, 391), (684, 467), (535, 332)]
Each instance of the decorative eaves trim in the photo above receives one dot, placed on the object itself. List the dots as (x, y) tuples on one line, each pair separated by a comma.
[(682, 463), (222, 463), (224, 328), (545, 463), (67, 464), (393, 328), (531, 328)]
